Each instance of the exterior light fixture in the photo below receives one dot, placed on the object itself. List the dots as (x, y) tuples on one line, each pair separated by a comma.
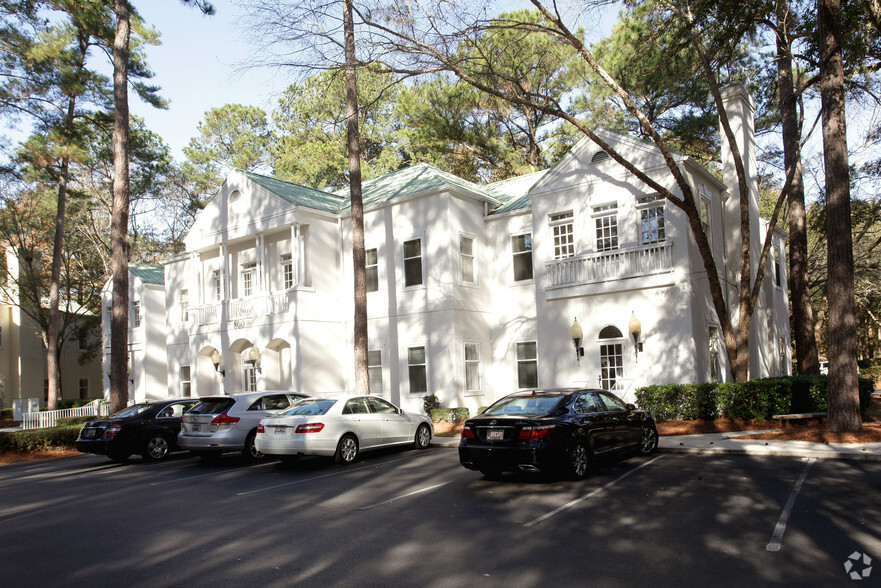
[(635, 329), (254, 358), (576, 333), (215, 359)]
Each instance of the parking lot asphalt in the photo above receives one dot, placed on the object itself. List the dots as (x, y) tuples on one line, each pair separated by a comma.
[(724, 443)]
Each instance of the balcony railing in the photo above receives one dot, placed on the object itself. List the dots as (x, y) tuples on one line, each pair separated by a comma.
[(241, 308), (610, 265)]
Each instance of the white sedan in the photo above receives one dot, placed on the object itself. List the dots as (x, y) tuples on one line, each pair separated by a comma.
[(340, 427)]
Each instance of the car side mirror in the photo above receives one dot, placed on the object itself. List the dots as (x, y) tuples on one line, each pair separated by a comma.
[(631, 406)]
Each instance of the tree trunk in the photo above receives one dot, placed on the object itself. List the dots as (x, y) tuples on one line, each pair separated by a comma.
[(119, 245), (843, 395), (806, 357), (353, 139)]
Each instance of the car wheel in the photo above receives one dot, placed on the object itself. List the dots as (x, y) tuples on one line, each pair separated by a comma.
[(346, 450), (118, 454), (579, 461), (423, 437), (156, 448), (250, 448), (649, 443)]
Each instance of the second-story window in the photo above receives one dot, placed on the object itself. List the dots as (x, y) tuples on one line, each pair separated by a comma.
[(521, 249), (778, 270), (136, 313), (372, 266), (652, 226), (705, 213), (564, 234), (466, 259), (249, 274), (606, 221), (215, 284), (413, 263), (184, 305), (287, 271)]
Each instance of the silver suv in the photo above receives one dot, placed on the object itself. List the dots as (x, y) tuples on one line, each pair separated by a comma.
[(229, 423)]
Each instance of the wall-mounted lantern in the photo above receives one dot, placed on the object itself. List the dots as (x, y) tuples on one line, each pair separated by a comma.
[(576, 333), (254, 358), (635, 330), (215, 359)]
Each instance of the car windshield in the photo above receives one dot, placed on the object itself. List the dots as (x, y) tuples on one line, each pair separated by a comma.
[(130, 411), (532, 405), (310, 407)]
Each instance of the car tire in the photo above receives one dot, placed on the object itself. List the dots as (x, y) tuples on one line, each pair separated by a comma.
[(156, 448), (578, 461), (423, 437), (118, 454), (648, 443), (250, 448), (346, 450)]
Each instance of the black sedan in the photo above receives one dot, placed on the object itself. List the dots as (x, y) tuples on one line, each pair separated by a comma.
[(559, 431), (150, 429)]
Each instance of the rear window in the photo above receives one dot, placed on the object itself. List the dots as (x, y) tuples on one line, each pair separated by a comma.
[(212, 406), (130, 411), (310, 407), (532, 405)]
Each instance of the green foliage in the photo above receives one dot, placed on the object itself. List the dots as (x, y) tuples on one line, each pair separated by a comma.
[(6, 413), (75, 402), (449, 415), (73, 421), (756, 399), (39, 439), (429, 403), (870, 368)]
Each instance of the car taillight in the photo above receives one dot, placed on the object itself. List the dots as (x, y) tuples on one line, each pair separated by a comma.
[(261, 428), (112, 430), (539, 432), (224, 419), (309, 428), (467, 432)]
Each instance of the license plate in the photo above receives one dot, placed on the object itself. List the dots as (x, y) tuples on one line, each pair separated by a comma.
[(495, 435), (197, 428), (88, 433), (280, 430)]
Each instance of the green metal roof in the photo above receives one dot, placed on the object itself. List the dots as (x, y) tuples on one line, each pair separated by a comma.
[(513, 193), (299, 195), (149, 274), (415, 179)]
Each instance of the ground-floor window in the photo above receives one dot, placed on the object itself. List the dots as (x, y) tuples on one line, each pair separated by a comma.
[(185, 382), (417, 370), (527, 365), (472, 367), (249, 374), (374, 371), (84, 387), (715, 355)]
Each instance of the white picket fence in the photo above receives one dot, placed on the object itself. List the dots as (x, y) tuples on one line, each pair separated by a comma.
[(47, 418)]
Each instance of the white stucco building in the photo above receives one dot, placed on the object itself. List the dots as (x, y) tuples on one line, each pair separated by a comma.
[(472, 288)]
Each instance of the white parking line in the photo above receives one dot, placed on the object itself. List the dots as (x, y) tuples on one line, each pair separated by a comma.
[(390, 500), (777, 538), (572, 503)]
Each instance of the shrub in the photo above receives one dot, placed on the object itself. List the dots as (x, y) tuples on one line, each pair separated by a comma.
[(450, 415), (429, 403), (75, 402), (757, 399), (73, 421), (39, 439), (5, 413)]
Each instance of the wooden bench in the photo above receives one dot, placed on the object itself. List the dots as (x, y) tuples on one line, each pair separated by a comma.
[(801, 416)]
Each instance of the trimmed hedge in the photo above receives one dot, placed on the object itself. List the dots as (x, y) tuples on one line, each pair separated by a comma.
[(450, 415), (757, 399), (39, 439), (6, 413)]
